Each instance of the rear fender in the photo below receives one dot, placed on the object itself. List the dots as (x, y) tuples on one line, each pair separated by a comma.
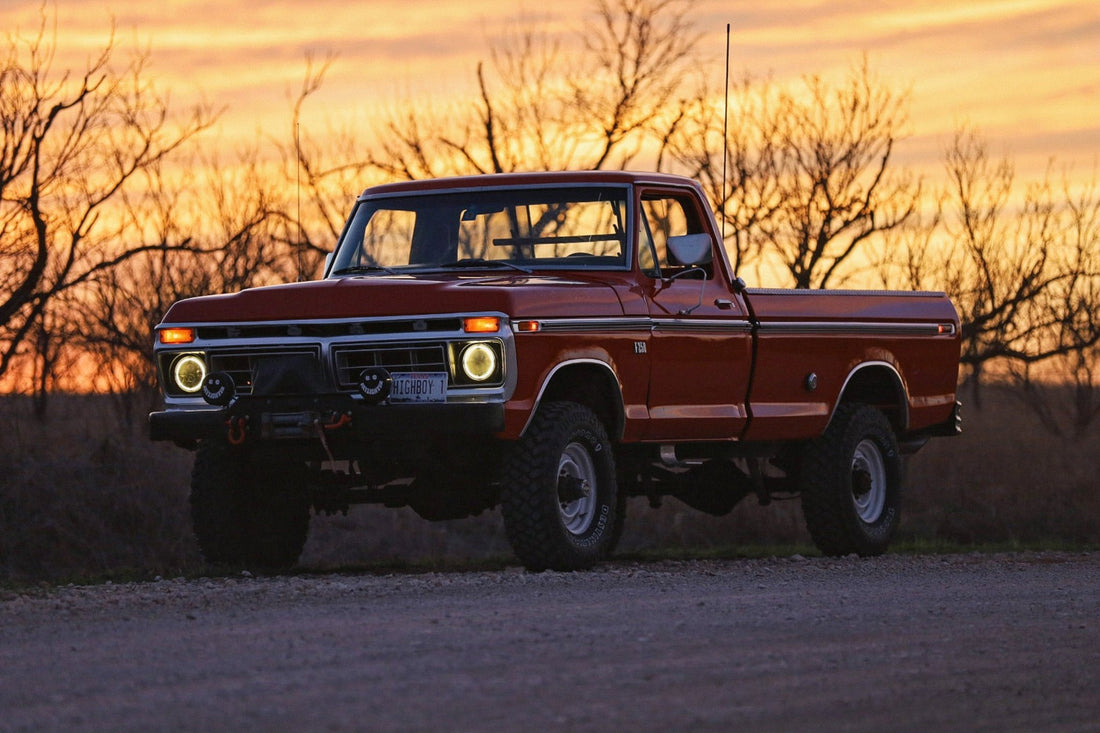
[(877, 383)]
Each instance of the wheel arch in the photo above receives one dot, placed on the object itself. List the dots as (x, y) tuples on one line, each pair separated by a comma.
[(880, 384), (589, 382)]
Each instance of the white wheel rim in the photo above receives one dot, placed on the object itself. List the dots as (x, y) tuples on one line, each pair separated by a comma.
[(576, 465), (868, 481)]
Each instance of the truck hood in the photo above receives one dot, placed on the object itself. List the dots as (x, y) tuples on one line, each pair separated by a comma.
[(519, 296)]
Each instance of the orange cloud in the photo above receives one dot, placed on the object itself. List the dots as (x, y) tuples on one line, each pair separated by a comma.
[(1024, 72)]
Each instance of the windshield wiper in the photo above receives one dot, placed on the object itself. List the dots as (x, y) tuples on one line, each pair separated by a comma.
[(478, 262), (362, 269)]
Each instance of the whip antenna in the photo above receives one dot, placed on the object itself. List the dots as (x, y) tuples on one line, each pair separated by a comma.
[(298, 188), (725, 135)]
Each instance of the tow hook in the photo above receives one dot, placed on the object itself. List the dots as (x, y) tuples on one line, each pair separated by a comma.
[(336, 422), (238, 429)]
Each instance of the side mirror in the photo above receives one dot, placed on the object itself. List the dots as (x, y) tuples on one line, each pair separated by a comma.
[(691, 249)]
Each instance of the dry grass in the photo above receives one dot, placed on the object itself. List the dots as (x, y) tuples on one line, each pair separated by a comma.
[(1006, 479), (80, 496)]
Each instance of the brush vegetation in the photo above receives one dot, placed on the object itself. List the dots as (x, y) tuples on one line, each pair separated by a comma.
[(83, 495)]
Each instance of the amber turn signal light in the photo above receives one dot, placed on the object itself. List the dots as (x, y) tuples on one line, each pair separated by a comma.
[(481, 324), (176, 335)]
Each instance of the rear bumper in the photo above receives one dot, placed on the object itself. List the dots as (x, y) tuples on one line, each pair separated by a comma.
[(274, 419), (950, 427)]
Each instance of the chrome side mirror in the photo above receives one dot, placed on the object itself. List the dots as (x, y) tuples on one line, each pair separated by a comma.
[(691, 249)]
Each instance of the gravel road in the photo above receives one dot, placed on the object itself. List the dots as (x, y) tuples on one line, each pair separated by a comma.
[(1007, 642)]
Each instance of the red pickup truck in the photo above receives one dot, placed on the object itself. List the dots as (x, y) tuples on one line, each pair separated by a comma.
[(551, 343)]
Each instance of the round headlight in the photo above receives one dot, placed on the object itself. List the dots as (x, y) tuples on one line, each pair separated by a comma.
[(188, 372), (479, 361)]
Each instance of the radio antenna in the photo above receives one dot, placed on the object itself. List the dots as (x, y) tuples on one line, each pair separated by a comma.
[(725, 135), (298, 188)]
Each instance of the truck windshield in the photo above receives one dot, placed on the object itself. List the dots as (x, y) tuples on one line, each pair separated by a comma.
[(524, 228)]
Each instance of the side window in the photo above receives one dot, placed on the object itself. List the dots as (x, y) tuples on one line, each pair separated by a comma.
[(663, 216)]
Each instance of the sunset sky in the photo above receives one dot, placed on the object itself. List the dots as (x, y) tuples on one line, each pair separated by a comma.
[(1025, 73)]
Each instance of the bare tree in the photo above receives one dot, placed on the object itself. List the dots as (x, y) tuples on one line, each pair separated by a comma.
[(537, 107), (836, 186), (640, 50), (1021, 269), (1064, 349), (744, 191), (211, 230), (321, 175), (72, 146), (1001, 263), (810, 176)]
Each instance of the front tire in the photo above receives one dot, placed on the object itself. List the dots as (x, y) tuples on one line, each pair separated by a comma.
[(242, 513), (850, 480), (560, 502)]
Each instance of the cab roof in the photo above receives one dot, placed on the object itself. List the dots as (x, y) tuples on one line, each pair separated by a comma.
[(512, 180)]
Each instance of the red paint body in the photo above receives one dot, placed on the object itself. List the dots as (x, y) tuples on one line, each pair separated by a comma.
[(692, 359)]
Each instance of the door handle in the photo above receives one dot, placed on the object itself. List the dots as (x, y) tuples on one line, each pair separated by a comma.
[(723, 303)]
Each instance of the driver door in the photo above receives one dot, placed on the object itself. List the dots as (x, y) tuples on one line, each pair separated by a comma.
[(700, 348)]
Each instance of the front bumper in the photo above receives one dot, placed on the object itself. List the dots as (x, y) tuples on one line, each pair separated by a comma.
[(276, 418)]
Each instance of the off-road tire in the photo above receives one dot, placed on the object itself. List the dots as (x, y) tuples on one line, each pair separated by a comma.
[(244, 514), (548, 532), (850, 480)]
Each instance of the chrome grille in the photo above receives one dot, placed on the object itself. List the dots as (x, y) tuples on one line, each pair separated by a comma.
[(394, 357)]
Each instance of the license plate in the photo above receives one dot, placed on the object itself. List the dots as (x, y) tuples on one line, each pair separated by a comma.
[(418, 387)]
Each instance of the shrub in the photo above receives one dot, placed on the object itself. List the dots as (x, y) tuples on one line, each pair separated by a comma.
[(80, 496)]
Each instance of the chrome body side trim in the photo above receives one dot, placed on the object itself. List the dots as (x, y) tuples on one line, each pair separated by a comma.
[(852, 327)]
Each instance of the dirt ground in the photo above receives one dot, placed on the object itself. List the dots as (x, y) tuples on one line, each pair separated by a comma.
[(1007, 642)]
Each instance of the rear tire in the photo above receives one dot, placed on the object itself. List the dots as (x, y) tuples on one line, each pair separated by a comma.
[(850, 480), (561, 506), (245, 514)]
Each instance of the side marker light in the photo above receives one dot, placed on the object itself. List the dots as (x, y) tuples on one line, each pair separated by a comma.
[(481, 324), (176, 335)]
